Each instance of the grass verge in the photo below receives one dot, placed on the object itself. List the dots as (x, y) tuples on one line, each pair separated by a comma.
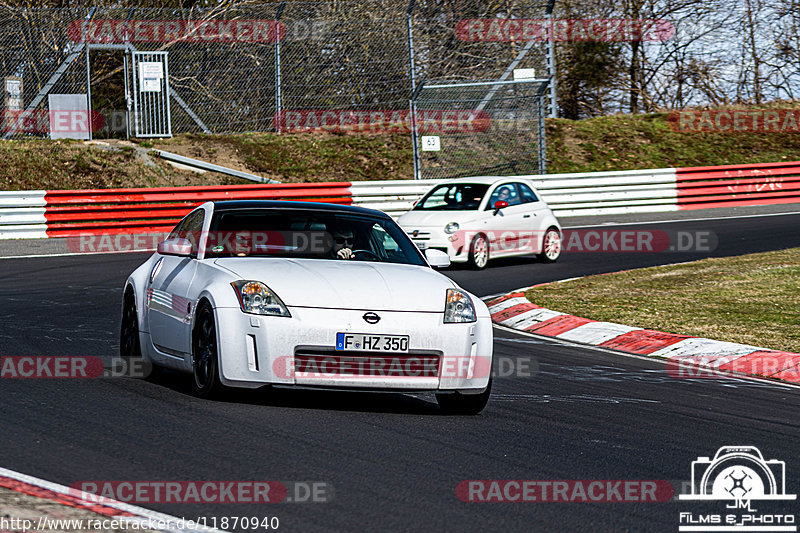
[(45, 164), (632, 142), (618, 142), (750, 299)]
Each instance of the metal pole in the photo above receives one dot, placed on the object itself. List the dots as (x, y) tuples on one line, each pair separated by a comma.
[(127, 95), (88, 94), (551, 65), (125, 75), (278, 96), (412, 107), (412, 103), (540, 137), (166, 90), (134, 67), (411, 45)]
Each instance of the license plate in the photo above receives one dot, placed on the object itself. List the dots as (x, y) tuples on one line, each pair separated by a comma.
[(365, 342)]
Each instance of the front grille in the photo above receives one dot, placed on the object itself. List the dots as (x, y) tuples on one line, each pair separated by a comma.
[(420, 236), (331, 363)]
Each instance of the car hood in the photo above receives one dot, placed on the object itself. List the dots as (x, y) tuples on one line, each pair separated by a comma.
[(421, 218), (341, 284)]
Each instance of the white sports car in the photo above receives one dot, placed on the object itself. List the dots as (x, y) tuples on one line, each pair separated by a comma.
[(476, 219), (255, 293)]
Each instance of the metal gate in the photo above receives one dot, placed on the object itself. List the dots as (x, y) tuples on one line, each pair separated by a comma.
[(150, 78)]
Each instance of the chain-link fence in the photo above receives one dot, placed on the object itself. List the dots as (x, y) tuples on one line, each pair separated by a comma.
[(489, 128), (281, 66)]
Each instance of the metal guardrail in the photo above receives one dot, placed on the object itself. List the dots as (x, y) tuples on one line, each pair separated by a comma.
[(609, 193), (597, 193), (734, 185), (40, 214), (22, 215)]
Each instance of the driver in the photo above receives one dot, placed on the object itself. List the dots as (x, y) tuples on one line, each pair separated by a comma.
[(343, 241), (504, 194)]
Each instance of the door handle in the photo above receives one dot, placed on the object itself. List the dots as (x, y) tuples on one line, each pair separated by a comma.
[(526, 216)]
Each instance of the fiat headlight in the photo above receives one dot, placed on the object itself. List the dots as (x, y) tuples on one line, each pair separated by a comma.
[(458, 307), (258, 299)]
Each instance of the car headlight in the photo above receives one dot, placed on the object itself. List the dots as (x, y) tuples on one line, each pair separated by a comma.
[(458, 307), (451, 227), (258, 299)]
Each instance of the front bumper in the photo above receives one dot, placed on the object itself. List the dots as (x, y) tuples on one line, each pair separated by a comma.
[(258, 350), (436, 238)]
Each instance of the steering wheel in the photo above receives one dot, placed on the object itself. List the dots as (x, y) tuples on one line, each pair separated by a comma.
[(368, 252)]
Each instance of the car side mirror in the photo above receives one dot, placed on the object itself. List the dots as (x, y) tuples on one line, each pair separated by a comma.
[(176, 246), (498, 205), (437, 258)]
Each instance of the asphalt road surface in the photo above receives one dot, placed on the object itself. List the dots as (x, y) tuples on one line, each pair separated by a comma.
[(391, 461)]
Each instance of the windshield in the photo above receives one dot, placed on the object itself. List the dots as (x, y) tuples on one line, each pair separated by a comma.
[(453, 196), (308, 234)]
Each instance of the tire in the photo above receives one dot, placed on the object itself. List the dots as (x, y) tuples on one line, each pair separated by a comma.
[(205, 356), (551, 246), (129, 343), (464, 404), (130, 348), (479, 252)]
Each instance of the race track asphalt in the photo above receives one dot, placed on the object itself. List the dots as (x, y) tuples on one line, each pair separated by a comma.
[(392, 461)]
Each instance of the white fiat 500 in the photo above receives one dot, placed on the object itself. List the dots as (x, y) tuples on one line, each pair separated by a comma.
[(475, 219), (254, 293)]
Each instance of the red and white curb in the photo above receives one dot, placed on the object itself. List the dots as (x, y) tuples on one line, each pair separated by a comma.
[(146, 519), (515, 311)]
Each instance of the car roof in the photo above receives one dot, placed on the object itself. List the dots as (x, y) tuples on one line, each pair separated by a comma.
[(487, 180), (230, 205)]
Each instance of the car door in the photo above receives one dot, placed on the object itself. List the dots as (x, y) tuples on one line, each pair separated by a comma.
[(533, 216), (504, 227), (169, 310)]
